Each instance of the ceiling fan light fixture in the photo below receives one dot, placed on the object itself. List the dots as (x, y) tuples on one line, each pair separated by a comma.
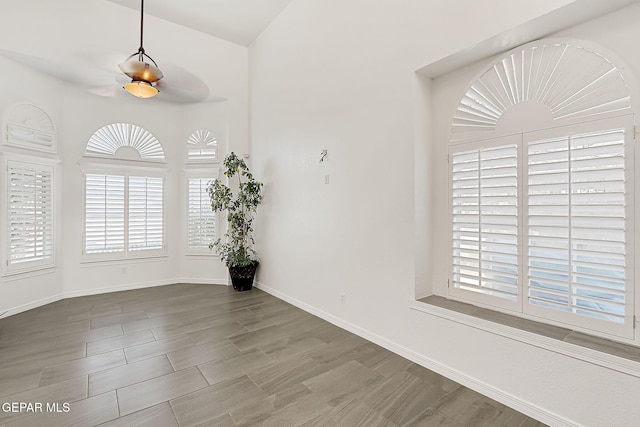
[(142, 73), (141, 89)]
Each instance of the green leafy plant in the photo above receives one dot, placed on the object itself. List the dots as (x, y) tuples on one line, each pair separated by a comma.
[(236, 249)]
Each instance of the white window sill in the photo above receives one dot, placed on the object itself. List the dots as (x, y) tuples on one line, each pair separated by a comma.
[(599, 351)]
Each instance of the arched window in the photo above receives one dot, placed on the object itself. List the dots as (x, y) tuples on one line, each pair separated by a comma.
[(30, 127), (540, 187), (202, 145), (202, 148), (544, 85), (124, 201), (125, 140)]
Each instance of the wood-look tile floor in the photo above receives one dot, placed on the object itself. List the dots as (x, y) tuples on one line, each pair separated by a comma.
[(205, 355)]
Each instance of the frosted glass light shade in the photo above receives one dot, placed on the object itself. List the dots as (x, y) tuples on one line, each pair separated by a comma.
[(141, 89)]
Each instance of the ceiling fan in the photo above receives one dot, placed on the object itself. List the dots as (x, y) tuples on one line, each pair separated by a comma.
[(144, 75), (96, 73)]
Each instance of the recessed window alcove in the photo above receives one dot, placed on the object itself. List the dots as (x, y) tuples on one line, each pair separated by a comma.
[(516, 103)]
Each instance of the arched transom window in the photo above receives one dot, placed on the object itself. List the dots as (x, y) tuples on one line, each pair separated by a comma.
[(125, 140), (202, 145), (548, 84), (30, 127)]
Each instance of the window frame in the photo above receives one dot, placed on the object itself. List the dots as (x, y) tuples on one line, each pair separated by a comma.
[(127, 171), (584, 324), (38, 264)]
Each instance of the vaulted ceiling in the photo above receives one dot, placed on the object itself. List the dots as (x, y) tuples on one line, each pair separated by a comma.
[(194, 42), (238, 21)]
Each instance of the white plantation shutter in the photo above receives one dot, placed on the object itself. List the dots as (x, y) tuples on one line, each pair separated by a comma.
[(577, 224), (201, 220), (202, 145), (104, 213), (30, 216), (146, 224), (570, 262), (123, 214), (485, 223)]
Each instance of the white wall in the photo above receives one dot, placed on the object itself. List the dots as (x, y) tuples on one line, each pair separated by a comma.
[(20, 292), (340, 76), (33, 33)]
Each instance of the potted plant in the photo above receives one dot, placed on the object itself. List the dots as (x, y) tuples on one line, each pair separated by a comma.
[(236, 249)]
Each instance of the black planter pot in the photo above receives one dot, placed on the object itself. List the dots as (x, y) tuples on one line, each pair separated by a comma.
[(242, 277)]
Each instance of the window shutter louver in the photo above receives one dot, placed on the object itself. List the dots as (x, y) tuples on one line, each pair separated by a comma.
[(201, 219), (104, 213), (146, 228), (30, 214), (576, 231), (485, 221)]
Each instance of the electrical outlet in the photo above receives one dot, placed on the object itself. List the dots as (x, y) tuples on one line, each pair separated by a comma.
[(326, 179), (343, 298)]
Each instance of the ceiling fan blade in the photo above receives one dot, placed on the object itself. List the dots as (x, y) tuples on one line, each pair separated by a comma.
[(173, 94), (70, 71), (96, 74)]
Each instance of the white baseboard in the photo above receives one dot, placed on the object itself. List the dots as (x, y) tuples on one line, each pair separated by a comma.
[(117, 288), (139, 285), (31, 305), (107, 289), (194, 281), (514, 402)]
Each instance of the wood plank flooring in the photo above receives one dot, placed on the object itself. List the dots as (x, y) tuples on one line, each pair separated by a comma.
[(186, 355)]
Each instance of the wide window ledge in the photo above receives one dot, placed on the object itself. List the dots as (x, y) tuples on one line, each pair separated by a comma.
[(609, 354)]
